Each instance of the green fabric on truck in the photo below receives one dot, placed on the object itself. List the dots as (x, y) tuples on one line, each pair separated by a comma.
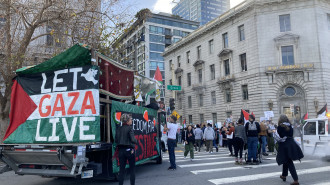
[(75, 56)]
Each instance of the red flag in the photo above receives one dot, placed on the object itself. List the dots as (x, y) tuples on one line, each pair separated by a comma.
[(158, 76), (253, 114), (244, 115), (306, 116)]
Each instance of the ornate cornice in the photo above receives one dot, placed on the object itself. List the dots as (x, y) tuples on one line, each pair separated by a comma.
[(178, 70), (224, 52), (198, 62)]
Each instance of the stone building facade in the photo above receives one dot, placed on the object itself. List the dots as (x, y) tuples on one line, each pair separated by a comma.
[(259, 56)]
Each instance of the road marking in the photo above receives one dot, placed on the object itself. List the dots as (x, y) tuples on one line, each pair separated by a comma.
[(205, 164), (199, 156), (220, 157), (265, 176), (196, 172), (322, 183)]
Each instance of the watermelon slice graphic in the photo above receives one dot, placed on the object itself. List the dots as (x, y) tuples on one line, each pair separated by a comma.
[(117, 117), (145, 115)]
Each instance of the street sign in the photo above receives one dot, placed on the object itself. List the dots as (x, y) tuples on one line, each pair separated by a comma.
[(176, 114), (174, 87)]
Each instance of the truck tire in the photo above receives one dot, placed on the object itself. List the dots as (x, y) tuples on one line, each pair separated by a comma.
[(159, 160)]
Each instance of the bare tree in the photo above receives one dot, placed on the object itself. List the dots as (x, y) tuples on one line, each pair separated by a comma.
[(35, 30)]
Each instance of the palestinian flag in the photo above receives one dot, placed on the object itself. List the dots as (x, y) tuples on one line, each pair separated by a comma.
[(305, 117), (159, 79), (245, 115), (60, 106), (323, 111)]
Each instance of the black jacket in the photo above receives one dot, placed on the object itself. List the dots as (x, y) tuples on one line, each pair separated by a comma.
[(288, 150), (189, 139), (125, 137), (252, 132)]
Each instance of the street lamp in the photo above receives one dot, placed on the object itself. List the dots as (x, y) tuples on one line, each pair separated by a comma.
[(270, 104), (316, 104)]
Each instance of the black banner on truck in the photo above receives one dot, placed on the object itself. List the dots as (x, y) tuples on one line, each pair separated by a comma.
[(145, 129)]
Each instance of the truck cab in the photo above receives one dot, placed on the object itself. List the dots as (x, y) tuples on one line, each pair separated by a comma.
[(316, 131)]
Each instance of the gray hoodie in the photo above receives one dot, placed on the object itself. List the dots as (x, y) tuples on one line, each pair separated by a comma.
[(198, 133), (209, 133)]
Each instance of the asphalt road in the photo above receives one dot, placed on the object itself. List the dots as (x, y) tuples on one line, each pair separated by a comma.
[(206, 169)]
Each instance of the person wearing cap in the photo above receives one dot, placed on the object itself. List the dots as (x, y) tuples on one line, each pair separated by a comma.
[(126, 141), (171, 129)]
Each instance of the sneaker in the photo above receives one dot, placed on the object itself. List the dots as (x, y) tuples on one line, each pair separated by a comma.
[(265, 154), (191, 159), (255, 162), (170, 168), (211, 152), (240, 161), (184, 157), (216, 149), (248, 162)]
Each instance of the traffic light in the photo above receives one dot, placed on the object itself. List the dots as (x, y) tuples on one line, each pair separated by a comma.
[(296, 109), (172, 104)]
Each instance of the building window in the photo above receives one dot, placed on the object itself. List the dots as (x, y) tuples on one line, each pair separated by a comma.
[(170, 64), (180, 102), (200, 76), (214, 118), (226, 67), (201, 118), (241, 33), (285, 23), (190, 119), (228, 95), (189, 79), (245, 92), (170, 82), (179, 80), (189, 102), (225, 40), (213, 97), (188, 56), (229, 114), (201, 100), (242, 58), (212, 69), (287, 55), (211, 46), (290, 91), (179, 63), (328, 18), (199, 52)]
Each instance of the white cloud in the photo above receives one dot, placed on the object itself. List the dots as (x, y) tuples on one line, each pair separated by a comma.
[(235, 2), (163, 6)]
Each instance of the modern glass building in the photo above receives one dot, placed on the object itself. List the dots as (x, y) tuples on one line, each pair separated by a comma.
[(141, 48), (201, 11)]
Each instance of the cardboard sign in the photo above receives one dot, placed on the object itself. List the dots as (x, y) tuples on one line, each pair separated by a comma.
[(269, 114)]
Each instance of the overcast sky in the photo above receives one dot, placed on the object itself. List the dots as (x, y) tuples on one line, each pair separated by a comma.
[(164, 5)]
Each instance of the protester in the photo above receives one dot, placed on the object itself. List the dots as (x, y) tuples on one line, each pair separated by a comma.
[(270, 138), (263, 137), (252, 129), (230, 136), (198, 137), (189, 140), (216, 139), (172, 129), (208, 138), (239, 140), (224, 136), (125, 140), (288, 149)]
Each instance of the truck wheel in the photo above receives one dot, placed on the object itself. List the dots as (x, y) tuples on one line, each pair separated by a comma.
[(159, 160)]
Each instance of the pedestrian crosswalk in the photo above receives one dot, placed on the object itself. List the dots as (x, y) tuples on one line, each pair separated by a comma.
[(219, 168)]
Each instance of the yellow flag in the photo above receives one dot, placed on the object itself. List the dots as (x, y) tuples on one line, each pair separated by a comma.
[(176, 114)]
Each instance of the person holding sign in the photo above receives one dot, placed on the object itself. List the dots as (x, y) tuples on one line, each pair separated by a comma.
[(125, 140)]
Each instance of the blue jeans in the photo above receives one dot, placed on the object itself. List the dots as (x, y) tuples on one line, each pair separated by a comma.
[(264, 143), (252, 143), (171, 148)]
